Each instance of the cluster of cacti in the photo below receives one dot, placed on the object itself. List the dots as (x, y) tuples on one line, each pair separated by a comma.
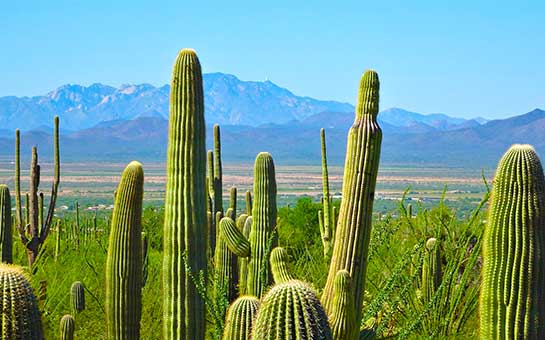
[(124, 258), (512, 298), (353, 230), (67, 327), (20, 319), (185, 226), (77, 297), (6, 233), (34, 232)]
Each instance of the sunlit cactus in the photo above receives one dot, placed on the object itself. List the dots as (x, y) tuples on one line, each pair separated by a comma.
[(67, 327), (240, 317), (279, 265), (291, 310), (20, 314), (512, 296), (353, 231), (77, 297), (185, 239), (344, 325), (431, 269)]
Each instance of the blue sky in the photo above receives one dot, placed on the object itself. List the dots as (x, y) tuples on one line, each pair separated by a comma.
[(464, 58)]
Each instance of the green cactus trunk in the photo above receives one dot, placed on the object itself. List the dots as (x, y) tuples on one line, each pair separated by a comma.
[(512, 297), (291, 310), (6, 233), (185, 226), (353, 230), (326, 217), (262, 235), (244, 225), (67, 327), (124, 258), (240, 317), (77, 297), (20, 319)]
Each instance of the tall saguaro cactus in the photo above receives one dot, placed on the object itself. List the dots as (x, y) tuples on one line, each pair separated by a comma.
[(326, 216), (33, 235), (262, 237), (353, 230), (512, 297), (185, 225), (215, 184), (6, 233), (124, 258)]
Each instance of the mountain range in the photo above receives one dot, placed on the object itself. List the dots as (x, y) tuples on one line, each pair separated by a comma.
[(99, 122)]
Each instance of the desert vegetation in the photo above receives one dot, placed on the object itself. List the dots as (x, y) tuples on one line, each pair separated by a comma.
[(201, 266)]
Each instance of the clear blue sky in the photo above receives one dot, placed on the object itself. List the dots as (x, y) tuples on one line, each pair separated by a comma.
[(464, 58)]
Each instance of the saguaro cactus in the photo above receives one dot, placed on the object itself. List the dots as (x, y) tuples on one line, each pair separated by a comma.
[(431, 269), (262, 237), (326, 216), (20, 319), (240, 317), (342, 320), (33, 235), (67, 327), (353, 230), (124, 258), (185, 225), (512, 297), (291, 310), (77, 297), (6, 234), (215, 184)]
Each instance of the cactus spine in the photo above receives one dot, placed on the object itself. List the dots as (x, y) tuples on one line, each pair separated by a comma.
[(124, 258), (20, 319), (326, 216), (6, 234), (353, 230), (240, 317), (37, 233), (344, 326), (262, 236), (185, 225), (512, 298), (291, 310), (67, 327), (431, 269)]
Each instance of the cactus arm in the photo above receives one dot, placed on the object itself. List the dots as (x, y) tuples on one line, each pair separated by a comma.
[(55, 186), (233, 237), (279, 265), (18, 208), (342, 318), (248, 203)]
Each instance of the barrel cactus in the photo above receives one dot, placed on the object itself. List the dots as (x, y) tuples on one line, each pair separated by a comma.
[(353, 231), (185, 224), (291, 310), (20, 314), (6, 233), (240, 317), (67, 327), (124, 257), (77, 297), (512, 297)]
